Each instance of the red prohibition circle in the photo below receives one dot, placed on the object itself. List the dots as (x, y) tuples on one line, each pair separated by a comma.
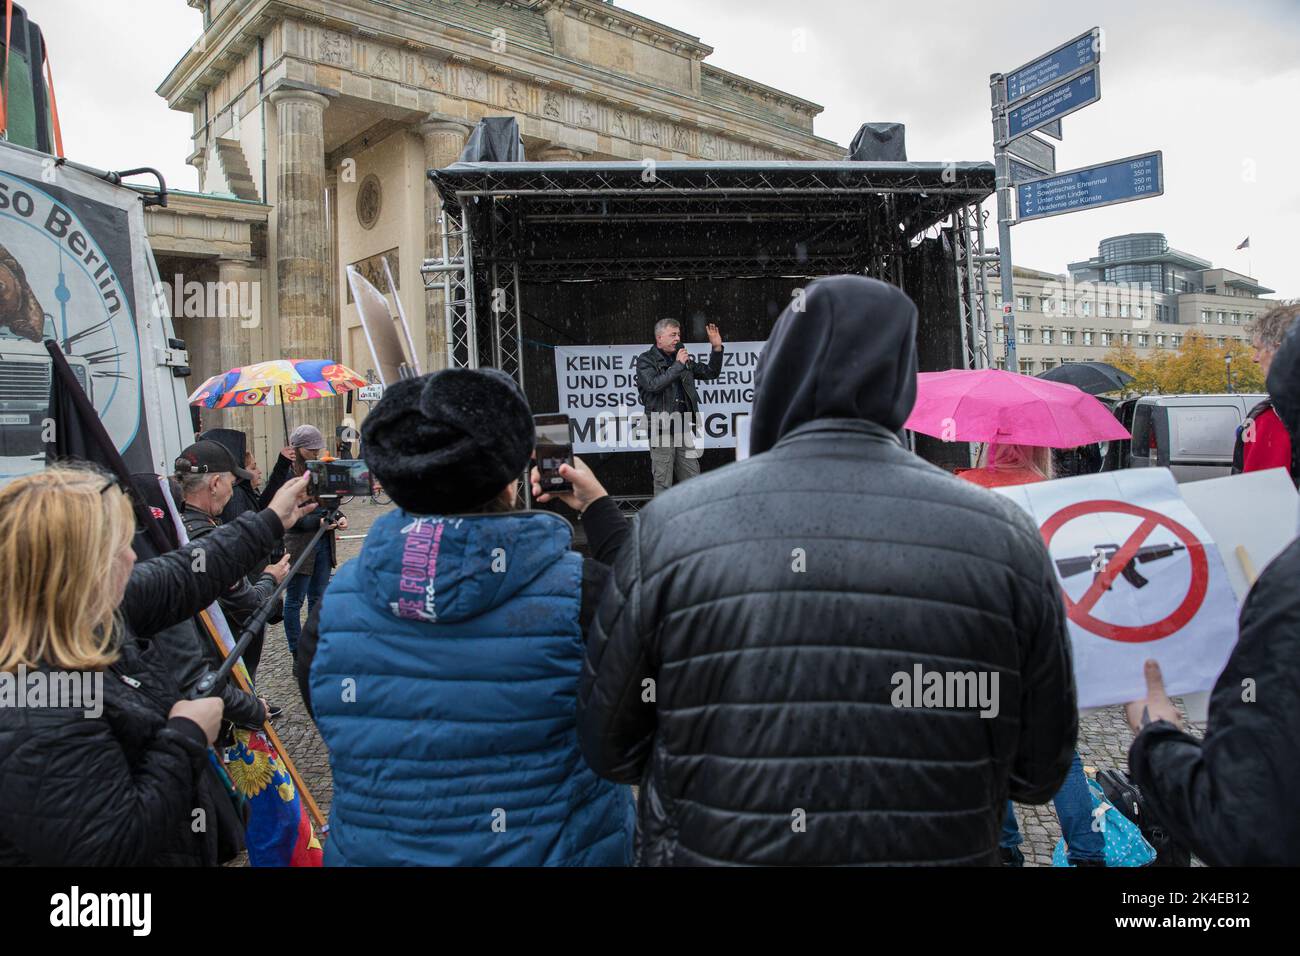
[(1148, 632)]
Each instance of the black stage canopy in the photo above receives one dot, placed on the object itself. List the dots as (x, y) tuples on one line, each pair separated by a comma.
[(653, 219)]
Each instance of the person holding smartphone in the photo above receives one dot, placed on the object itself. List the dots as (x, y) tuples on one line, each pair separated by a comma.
[(460, 629), (306, 444)]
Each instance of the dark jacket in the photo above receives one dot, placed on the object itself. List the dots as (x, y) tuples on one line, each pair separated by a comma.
[(121, 789), (297, 538), (1231, 797), (239, 603), (657, 376), (746, 661)]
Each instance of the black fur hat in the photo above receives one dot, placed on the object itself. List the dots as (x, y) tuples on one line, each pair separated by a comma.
[(450, 441)]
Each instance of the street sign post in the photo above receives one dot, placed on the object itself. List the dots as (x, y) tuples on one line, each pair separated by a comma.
[(1034, 97), (1034, 152), (1061, 100), (1052, 67), (1103, 184)]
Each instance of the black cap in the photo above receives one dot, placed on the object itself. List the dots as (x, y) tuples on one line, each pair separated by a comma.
[(209, 458)]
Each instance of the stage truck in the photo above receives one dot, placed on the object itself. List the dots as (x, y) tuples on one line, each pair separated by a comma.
[(76, 268), (557, 272)]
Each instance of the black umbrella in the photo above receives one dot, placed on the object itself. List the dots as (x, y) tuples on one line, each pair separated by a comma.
[(1091, 377)]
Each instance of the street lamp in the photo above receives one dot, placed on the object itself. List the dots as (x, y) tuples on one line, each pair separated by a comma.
[(1227, 361)]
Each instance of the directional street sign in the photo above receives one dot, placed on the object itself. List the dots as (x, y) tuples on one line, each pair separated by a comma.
[(1123, 180), (1035, 152), (1051, 68), (1052, 129), (1022, 172), (1038, 111)]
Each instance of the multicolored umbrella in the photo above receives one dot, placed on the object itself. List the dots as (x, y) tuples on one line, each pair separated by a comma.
[(991, 405), (275, 383)]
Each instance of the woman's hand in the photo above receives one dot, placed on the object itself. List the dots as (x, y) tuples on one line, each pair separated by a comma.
[(205, 712), (586, 487)]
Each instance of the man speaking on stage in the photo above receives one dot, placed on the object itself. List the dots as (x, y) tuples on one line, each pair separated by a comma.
[(665, 377)]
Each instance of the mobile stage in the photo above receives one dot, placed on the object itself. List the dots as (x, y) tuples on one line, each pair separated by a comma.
[(540, 255)]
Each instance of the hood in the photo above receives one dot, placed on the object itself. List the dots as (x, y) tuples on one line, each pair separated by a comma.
[(1284, 381), (233, 441), (849, 353), (457, 567)]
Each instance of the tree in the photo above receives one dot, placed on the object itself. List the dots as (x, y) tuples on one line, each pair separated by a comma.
[(1198, 366)]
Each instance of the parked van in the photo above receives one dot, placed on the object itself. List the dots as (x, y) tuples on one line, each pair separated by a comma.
[(1191, 435)]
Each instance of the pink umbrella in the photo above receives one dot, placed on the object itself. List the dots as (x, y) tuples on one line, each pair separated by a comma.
[(990, 405)]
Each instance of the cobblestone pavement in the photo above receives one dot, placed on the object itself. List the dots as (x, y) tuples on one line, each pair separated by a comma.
[(1104, 736)]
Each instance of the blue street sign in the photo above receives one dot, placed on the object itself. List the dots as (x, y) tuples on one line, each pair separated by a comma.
[(1023, 172), (1055, 66), (1123, 180), (1050, 106)]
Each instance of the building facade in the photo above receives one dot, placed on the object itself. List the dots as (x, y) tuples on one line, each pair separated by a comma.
[(315, 122), (1138, 292)]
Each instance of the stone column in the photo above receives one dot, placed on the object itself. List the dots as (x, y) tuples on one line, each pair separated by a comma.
[(239, 315), (302, 252), (443, 141)]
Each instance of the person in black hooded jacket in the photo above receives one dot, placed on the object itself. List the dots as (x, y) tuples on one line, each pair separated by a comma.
[(750, 660), (1231, 797)]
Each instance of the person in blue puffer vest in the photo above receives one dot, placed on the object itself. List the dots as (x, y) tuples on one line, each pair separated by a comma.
[(443, 665)]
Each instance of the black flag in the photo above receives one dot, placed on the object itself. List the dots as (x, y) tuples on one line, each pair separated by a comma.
[(80, 435)]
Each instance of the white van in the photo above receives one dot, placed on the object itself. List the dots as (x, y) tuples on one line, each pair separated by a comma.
[(1191, 435)]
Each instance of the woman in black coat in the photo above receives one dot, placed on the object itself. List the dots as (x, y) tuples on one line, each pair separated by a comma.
[(101, 763)]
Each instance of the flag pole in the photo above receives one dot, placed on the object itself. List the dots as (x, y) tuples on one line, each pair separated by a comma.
[(312, 809)]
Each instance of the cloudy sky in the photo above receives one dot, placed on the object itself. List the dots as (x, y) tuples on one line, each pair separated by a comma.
[(1212, 84)]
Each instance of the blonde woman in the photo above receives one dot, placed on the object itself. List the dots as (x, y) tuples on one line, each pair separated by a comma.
[(100, 761)]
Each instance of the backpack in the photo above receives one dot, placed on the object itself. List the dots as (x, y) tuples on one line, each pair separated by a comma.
[(1125, 796), (1125, 844)]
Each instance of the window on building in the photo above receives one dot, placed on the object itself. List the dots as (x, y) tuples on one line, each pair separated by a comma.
[(1045, 305), (1142, 340), (1023, 334), (1085, 307), (1106, 338), (1022, 303), (1087, 337), (1236, 318), (1065, 307), (1002, 334), (1178, 341), (1205, 316), (1124, 338), (1103, 308), (997, 301), (1048, 364), (1123, 310), (1067, 337), (1027, 366), (1138, 311), (1160, 340), (1047, 337), (1222, 341), (1222, 317)]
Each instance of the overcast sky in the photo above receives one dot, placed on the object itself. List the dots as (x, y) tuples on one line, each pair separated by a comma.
[(1215, 85)]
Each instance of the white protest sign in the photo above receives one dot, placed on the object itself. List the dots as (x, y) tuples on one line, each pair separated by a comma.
[(597, 389), (1141, 578)]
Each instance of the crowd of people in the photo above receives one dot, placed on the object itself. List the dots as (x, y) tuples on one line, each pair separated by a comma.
[(489, 695)]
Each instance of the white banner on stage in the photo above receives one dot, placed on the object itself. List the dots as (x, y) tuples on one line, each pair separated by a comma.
[(597, 389), (1141, 578)]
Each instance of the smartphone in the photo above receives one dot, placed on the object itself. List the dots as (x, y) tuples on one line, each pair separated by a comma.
[(338, 476), (554, 439)]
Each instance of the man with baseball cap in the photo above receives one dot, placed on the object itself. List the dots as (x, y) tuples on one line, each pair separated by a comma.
[(206, 472)]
